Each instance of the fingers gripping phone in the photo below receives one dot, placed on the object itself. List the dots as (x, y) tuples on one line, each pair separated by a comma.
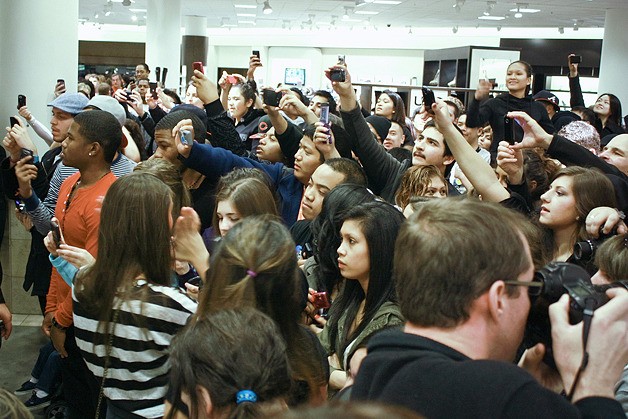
[(321, 301), (184, 135), (271, 98), (13, 121), (256, 53), (21, 101), (325, 118), (153, 89)]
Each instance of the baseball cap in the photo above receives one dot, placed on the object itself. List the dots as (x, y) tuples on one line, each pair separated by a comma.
[(108, 104), (72, 103), (262, 127), (546, 96)]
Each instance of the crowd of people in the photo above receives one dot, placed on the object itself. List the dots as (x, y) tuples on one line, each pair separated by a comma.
[(240, 254)]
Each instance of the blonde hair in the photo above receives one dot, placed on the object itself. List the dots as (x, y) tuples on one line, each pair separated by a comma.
[(415, 182)]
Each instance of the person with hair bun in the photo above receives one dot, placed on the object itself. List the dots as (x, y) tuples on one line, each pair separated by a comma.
[(482, 109), (229, 364)]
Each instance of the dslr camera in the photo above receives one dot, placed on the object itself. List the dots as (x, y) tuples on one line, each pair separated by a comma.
[(560, 278), (585, 250)]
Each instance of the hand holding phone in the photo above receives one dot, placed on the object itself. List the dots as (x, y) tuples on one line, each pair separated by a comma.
[(321, 301), (337, 74), (13, 121), (256, 53), (324, 118), (575, 59), (232, 79), (271, 98)]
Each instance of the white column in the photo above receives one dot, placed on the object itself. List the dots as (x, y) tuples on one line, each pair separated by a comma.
[(614, 60), (195, 25), (163, 38), (39, 45)]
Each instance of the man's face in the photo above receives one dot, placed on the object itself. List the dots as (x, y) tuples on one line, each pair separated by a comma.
[(166, 148), (315, 104), (116, 81), (306, 160), (395, 136), (616, 153), (429, 148), (269, 148), (143, 87), (74, 149), (140, 72), (60, 124), (323, 180)]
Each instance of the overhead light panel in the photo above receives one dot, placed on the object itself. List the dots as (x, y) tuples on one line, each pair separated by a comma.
[(246, 14), (491, 17), (365, 12), (245, 6), (388, 2), (267, 9), (524, 9), (138, 10)]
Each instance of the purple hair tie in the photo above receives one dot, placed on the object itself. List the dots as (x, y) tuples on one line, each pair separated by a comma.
[(251, 273)]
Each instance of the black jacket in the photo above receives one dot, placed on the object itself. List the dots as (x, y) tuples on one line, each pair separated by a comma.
[(494, 110), (562, 118), (440, 382)]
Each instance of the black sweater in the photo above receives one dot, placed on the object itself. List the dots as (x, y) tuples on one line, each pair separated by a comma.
[(440, 382), (493, 111)]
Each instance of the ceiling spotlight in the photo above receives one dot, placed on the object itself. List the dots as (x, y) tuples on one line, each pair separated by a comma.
[(499, 28), (454, 29), (126, 2), (346, 15), (518, 14), (561, 30), (96, 15), (458, 5), (267, 9), (359, 3), (409, 30), (134, 18)]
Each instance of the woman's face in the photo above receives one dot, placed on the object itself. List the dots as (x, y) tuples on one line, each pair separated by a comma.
[(437, 188), (558, 210), (192, 98), (353, 253), (385, 106), (228, 216), (603, 106), (517, 78), (486, 138), (237, 105), (268, 148)]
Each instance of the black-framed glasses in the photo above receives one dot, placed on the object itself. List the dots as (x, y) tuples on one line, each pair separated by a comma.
[(535, 288)]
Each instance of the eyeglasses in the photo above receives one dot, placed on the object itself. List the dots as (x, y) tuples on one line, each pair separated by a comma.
[(535, 288)]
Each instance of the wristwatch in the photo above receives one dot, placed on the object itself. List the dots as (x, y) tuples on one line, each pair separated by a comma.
[(57, 325)]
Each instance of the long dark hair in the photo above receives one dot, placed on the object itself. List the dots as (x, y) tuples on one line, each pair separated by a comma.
[(380, 224), (615, 108), (133, 240), (399, 108), (227, 352), (326, 230), (256, 265)]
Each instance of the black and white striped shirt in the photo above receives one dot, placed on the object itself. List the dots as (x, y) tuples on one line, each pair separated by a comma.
[(138, 368)]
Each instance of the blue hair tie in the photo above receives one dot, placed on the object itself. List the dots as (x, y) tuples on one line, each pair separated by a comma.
[(246, 396)]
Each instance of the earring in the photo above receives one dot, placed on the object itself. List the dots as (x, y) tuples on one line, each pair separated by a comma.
[(90, 154)]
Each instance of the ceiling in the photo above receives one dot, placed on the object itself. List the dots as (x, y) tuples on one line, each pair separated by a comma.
[(289, 14)]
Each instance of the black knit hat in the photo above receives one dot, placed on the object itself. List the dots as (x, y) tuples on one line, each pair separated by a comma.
[(381, 125)]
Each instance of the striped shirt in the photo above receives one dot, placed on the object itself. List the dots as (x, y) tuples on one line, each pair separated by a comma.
[(138, 368), (41, 213)]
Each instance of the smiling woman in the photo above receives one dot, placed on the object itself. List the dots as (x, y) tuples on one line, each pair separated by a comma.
[(482, 109)]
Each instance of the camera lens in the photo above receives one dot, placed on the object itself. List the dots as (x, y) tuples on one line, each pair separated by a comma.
[(583, 250)]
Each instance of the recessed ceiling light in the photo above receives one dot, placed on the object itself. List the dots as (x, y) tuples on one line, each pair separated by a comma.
[(245, 6), (138, 10), (391, 2), (365, 12), (247, 22), (525, 10), (246, 14), (491, 17)]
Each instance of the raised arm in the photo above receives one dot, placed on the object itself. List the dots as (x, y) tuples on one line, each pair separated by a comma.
[(576, 98), (479, 173)]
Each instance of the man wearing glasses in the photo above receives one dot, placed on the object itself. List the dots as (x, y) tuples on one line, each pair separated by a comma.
[(462, 271)]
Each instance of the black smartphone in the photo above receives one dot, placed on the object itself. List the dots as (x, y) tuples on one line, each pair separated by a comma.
[(271, 98), (153, 89), (164, 74), (60, 81), (256, 53), (428, 99), (575, 59), (184, 135), (56, 233), (198, 65), (324, 118), (509, 130), (13, 121), (21, 101), (158, 73), (341, 59), (196, 281), (127, 93), (337, 74)]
